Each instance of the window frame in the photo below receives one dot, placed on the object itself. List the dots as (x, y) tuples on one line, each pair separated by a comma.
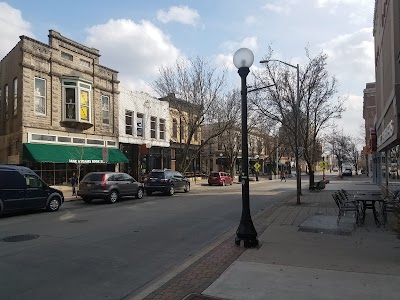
[(80, 87), (129, 125), (105, 110), (153, 131), (6, 95), (42, 98), (174, 128), (137, 124), (161, 131), (15, 96)]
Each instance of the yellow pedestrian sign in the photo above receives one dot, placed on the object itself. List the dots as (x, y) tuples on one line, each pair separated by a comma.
[(323, 165), (257, 167)]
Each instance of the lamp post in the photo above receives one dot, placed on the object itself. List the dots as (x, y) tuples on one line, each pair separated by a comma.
[(246, 232), (297, 124)]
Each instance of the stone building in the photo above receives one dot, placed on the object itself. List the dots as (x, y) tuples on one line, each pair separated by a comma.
[(143, 132), (58, 109)]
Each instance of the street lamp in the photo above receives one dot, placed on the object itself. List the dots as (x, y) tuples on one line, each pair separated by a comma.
[(298, 177), (246, 232)]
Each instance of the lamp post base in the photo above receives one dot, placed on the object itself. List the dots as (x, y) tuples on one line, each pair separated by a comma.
[(247, 243), (246, 233)]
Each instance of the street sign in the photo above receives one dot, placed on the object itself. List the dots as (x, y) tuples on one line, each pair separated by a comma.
[(323, 165), (257, 166), (105, 154)]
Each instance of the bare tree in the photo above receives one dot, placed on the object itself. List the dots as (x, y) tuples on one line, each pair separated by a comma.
[(195, 90), (316, 106), (340, 146)]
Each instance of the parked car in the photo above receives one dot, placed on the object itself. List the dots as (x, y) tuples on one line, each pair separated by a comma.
[(166, 181), (347, 172), (220, 178), (335, 169), (110, 186), (21, 188)]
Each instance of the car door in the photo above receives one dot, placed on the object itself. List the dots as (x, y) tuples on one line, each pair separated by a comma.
[(36, 195), (179, 183), (117, 180), (132, 184), (12, 189)]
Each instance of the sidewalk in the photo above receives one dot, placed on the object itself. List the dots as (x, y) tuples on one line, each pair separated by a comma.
[(303, 254)]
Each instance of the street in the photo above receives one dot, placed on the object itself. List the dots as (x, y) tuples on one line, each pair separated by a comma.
[(102, 251)]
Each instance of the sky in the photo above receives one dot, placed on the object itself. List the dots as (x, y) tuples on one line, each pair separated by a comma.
[(137, 37)]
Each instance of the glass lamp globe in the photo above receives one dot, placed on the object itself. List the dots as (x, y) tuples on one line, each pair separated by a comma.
[(243, 58)]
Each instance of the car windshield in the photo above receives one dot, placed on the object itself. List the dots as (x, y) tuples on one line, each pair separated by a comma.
[(214, 174)]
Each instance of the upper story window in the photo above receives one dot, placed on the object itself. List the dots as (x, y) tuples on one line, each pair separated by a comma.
[(6, 102), (15, 95), (77, 100), (84, 63), (105, 109), (67, 56), (162, 129), (196, 135), (128, 122), (174, 128), (139, 125), (40, 96), (153, 121)]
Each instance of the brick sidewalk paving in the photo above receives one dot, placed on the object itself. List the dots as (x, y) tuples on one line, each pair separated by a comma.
[(192, 281)]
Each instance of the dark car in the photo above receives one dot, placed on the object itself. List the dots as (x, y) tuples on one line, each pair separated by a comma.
[(166, 181), (21, 188), (220, 178), (110, 186)]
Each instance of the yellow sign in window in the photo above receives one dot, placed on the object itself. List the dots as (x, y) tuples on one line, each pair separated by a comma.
[(84, 111)]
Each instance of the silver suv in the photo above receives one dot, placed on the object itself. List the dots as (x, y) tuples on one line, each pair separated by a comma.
[(110, 186)]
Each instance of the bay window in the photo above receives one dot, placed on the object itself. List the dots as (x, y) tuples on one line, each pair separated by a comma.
[(77, 100)]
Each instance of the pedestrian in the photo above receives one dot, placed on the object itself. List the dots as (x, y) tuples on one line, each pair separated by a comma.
[(74, 182), (283, 176)]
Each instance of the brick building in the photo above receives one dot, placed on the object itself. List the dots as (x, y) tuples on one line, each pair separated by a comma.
[(58, 108)]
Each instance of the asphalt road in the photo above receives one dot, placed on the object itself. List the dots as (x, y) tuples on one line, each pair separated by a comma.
[(103, 251)]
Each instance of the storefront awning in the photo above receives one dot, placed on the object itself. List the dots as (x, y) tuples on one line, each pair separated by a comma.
[(71, 154)]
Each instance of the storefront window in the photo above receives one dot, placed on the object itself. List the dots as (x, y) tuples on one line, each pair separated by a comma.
[(394, 173)]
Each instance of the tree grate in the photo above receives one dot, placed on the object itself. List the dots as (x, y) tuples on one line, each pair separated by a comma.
[(20, 238), (325, 231)]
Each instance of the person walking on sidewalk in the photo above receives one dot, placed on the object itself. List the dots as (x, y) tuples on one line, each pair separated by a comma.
[(74, 182), (283, 176)]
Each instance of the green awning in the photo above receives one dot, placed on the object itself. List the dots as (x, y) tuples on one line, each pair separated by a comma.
[(71, 154)]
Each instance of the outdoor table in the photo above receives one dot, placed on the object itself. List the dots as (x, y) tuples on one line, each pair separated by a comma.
[(368, 201)]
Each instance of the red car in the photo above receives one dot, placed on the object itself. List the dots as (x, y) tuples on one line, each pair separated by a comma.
[(220, 178)]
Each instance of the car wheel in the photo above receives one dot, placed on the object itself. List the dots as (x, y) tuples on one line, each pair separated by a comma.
[(139, 194), (149, 193), (113, 197), (54, 204), (187, 188), (87, 200), (171, 190)]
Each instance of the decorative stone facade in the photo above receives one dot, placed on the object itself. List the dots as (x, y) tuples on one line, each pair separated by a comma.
[(62, 59)]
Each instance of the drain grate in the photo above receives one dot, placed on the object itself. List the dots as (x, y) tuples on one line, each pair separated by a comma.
[(325, 231), (20, 238), (78, 221)]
